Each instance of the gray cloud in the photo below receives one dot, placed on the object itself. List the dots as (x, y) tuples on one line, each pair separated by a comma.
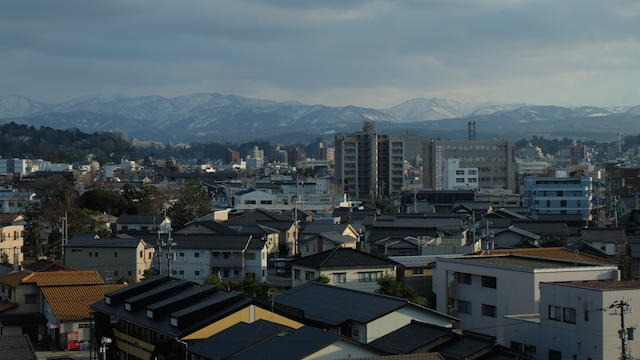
[(365, 53)]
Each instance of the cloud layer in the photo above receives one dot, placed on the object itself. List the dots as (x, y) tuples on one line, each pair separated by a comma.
[(365, 53)]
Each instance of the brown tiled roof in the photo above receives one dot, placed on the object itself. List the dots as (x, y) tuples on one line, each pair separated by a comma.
[(14, 278), (17, 347), (72, 302), (558, 253), (64, 278), (46, 266), (7, 219), (4, 305)]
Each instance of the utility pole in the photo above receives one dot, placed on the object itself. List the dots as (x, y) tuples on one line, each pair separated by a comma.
[(63, 238), (625, 334), (415, 200)]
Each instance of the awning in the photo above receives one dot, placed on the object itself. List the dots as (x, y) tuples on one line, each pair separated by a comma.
[(54, 325)]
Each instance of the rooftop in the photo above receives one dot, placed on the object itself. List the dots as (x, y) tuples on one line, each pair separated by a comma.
[(523, 262), (72, 302), (605, 285), (64, 278), (344, 258), (557, 253)]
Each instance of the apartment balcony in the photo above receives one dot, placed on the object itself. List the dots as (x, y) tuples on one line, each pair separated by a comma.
[(226, 262)]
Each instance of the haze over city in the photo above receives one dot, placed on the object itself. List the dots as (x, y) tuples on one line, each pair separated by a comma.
[(373, 54)]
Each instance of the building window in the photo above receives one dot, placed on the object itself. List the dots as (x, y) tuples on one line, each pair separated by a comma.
[(569, 315), (181, 254), (530, 351), (586, 315), (560, 193), (463, 307), (489, 282), (96, 254), (516, 346), (115, 254), (150, 255), (563, 203), (459, 172), (417, 272), (555, 313), (460, 180), (30, 299), (309, 275), (141, 254), (196, 255), (90, 254), (464, 278), (314, 248), (115, 273), (296, 274), (369, 276), (488, 310), (555, 355), (129, 273), (250, 256), (340, 278), (265, 202), (196, 273)]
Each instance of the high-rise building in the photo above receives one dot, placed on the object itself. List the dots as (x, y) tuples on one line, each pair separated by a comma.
[(558, 196), (494, 159), (325, 153), (279, 155), (229, 156), (369, 165)]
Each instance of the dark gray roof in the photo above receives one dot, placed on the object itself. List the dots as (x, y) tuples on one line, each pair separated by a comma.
[(295, 345), (521, 261), (333, 237), (519, 231), (410, 338), (84, 237), (193, 305), (377, 234), (212, 242), (235, 339), (255, 229), (17, 347), (343, 258), (465, 347), (334, 305), (5, 269), (314, 228), (209, 226), (139, 219), (79, 241), (542, 227), (635, 250), (278, 225)]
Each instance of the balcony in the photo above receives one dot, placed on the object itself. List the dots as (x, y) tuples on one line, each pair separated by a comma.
[(226, 262)]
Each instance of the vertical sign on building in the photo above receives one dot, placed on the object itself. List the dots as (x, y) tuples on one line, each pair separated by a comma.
[(438, 168)]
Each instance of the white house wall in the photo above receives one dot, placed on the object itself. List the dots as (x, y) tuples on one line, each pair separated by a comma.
[(352, 277), (402, 317), (342, 350)]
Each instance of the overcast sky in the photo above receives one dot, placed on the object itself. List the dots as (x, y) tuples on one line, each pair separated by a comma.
[(333, 52)]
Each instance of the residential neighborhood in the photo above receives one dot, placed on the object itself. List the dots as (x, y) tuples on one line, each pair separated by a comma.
[(455, 253)]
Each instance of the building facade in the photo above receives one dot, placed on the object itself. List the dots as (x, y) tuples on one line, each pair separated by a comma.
[(494, 159), (369, 164), (558, 196)]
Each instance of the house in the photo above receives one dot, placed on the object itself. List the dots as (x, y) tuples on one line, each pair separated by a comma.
[(485, 288), (345, 267), (612, 241), (113, 257), (7, 219), (21, 307), (11, 243), (17, 347), (271, 340), (510, 237), (162, 316), (578, 320), (362, 316), (13, 201), (230, 257), (44, 265), (282, 223), (316, 228), (143, 224), (326, 241), (253, 197)]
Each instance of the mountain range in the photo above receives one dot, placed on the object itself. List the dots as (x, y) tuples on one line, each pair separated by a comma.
[(217, 117)]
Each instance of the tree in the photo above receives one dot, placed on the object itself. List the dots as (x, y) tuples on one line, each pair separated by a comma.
[(110, 202), (170, 165), (83, 221), (389, 285), (382, 205), (5, 260), (324, 279), (146, 274), (214, 281), (192, 203), (33, 229), (126, 279)]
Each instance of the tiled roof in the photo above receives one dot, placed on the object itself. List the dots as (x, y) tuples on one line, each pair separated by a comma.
[(257, 215), (44, 265), (13, 279), (464, 348), (208, 227), (520, 261), (4, 305), (17, 347), (333, 237), (377, 234), (549, 253), (426, 356), (214, 242), (129, 242), (23, 319), (64, 278), (604, 235), (319, 228), (410, 337), (7, 219), (343, 258), (72, 302), (606, 285)]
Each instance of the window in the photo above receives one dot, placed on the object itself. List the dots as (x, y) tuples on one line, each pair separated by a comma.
[(150, 255), (464, 278), (129, 273), (314, 248), (586, 315), (90, 254), (3, 289), (296, 274), (579, 203), (250, 256), (516, 346), (555, 313), (115, 273), (181, 272), (369, 276), (488, 310), (196, 273), (141, 254), (96, 254), (459, 172), (530, 351), (463, 307), (237, 255), (355, 333), (196, 255), (115, 254), (181, 254), (30, 299), (560, 193), (265, 202), (459, 180), (340, 278), (417, 272), (489, 282), (309, 275), (555, 355), (569, 315)]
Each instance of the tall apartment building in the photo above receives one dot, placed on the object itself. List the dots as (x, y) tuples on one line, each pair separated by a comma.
[(494, 159), (369, 165), (229, 156), (325, 153), (558, 196)]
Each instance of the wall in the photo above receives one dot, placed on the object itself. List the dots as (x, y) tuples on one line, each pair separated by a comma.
[(401, 317)]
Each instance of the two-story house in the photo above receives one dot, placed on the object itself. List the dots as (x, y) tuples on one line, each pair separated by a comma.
[(112, 257), (143, 224), (11, 242)]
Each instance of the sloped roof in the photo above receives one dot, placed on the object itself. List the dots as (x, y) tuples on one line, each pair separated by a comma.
[(14, 279), (44, 265), (319, 228), (525, 262), (17, 347), (140, 219), (425, 356), (334, 305), (208, 226), (84, 237), (255, 229), (4, 305), (129, 242), (216, 242), (608, 235), (377, 234), (7, 219), (543, 227), (333, 237), (410, 337), (257, 215), (343, 258), (519, 231), (64, 278), (465, 346), (72, 302)]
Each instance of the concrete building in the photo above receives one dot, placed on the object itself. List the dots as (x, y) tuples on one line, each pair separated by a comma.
[(495, 161), (369, 164), (486, 288), (579, 320), (11, 242), (13, 201), (527, 167), (230, 156), (558, 196), (457, 178), (325, 153)]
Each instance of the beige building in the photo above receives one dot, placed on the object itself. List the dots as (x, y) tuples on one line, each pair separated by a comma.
[(494, 159), (11, 241), (113, 257)]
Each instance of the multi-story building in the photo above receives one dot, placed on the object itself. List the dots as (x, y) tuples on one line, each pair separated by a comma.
[(369, 165), (457, 178), (279, 155), (325, 153), (578, 153), (230, 156), (558, 196), (494, 159), (11, 242)]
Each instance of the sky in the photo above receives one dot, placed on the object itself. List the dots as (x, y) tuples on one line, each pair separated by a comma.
[(373, 54)]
